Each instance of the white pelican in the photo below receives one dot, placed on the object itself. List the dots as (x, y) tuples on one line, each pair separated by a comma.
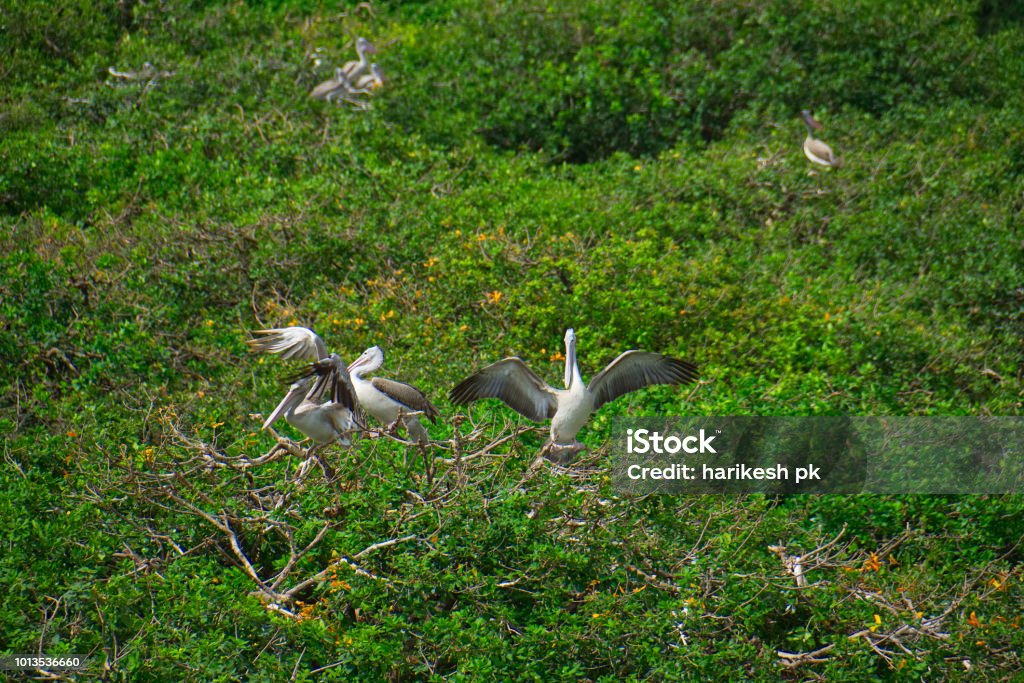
[(370, 81), (303, 406), (514, 383), (390, 401), (356, 69), (816, 150)]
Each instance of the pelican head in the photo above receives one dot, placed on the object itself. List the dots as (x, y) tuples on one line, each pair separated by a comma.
[(371, 360), (810, 120), (365, 47), (570, 355), (378, 76)]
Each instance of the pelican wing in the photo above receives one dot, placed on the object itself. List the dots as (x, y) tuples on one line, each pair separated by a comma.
[(354, 70), (406, 394), (820, 152), (634, 370), (324, 89), (301, 343), (296, 394), (514, 383), (335, 378)]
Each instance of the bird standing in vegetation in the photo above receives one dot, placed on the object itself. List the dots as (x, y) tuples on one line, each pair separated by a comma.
[(389, 401), (304, 406), (357, 69), (814, 149), (514, 383), (355, 78), (333, 87)]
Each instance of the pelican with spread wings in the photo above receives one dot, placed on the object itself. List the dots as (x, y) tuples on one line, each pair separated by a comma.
[(304, 406), (568, 409)]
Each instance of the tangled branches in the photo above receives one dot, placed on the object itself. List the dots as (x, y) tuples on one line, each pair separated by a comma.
[(256, 510)]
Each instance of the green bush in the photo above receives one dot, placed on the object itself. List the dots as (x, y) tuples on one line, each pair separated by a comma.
[(631, 170)]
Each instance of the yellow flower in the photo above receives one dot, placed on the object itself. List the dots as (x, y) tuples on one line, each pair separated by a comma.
[(494, 297)]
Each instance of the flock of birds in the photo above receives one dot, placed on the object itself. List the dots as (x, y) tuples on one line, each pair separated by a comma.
[(328, 401), (355, 78), (362, 77)]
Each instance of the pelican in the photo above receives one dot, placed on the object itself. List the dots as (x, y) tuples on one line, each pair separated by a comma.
[(356, 69), (340, 88), (514, 383), (332, 86), (370, 81), (303, 407), (816, 150), (390, 401)]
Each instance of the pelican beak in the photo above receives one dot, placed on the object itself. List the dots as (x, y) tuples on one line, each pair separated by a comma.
[(810, 120)]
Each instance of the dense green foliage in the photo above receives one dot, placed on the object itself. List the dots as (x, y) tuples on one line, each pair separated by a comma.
[(631, 169)]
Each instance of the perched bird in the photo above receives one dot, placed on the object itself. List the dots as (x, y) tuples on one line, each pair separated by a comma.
[(357, 69), (814, 149), (371, 81), (304, 406), (332, 87), (389, 401), (514, 383), (341, 89)]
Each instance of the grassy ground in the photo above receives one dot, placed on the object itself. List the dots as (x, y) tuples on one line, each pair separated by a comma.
[(633, 171)]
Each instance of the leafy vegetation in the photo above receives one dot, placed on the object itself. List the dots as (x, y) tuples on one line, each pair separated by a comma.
[(631, 169)]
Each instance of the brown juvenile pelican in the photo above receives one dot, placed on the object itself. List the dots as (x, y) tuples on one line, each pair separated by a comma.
[(816, 150), (357, 69), (514, 383), (389, 401), (303, 406)]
